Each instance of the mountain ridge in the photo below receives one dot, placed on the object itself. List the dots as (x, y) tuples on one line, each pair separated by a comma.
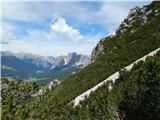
[(27, 65)]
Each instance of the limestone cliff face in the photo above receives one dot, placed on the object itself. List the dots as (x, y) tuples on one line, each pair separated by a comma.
[(137, 15), (97, 50)]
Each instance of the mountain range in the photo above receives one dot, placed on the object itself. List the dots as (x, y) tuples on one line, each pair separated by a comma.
[(133, 95), (25, 65)]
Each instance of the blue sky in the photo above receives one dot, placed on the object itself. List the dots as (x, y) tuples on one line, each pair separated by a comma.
[(57, 28)]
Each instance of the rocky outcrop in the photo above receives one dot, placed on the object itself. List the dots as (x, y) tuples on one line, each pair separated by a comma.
[(157, 12), (134, 14), (53, 83), (137, 14), (97, 50), (73, 59)]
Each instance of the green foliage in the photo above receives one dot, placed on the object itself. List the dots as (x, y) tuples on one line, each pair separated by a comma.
[(60, 73), (142, 92), (15, 95), (135, 95)]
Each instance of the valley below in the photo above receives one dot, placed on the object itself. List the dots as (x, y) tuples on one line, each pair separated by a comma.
[(29, 67)]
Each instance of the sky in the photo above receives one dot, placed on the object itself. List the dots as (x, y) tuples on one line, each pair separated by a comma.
[(55, 28)]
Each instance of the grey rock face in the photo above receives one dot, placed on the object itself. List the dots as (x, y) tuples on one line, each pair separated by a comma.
[(157, 12), (133, 13), (97, 50), (72, 59), (142, 14), (5, 86)]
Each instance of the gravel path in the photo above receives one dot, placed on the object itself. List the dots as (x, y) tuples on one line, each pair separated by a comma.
[(113, 77)]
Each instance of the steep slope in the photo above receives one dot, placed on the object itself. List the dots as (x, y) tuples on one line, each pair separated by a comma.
[(136, 18), (134, 96), (112, 78), (118, 51)]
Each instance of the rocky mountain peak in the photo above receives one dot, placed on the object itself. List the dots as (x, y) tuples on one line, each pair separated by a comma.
[(137, 16), (76, 59), (72, 54), (50, 62)]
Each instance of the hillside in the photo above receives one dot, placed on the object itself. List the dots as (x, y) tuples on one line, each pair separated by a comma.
[(119, 51), (134, 96), (137, 90), (112, 78)]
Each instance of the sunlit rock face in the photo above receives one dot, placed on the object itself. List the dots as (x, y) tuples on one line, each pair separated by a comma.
[(97, 50), (137, 14)]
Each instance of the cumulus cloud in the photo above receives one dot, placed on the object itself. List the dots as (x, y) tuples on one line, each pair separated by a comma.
[(49, 43), (60, 27), (107, 12), (60, 36), (50, 47)]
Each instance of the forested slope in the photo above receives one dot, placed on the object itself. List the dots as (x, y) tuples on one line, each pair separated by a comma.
[(119, 51), (138, 88), (134, 96)]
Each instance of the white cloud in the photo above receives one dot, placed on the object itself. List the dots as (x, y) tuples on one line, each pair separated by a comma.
[(49, 43), (60, 27), (109, 12), (41, 11), (7, 32), (50, 48), (61, 38)]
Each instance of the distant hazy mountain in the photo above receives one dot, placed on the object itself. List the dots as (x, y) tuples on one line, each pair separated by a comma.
[(27, 64)]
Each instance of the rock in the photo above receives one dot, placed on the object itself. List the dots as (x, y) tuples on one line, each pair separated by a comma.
[(41, 91), (97, 50), (138, 13), (53, 83), (133, 12), (5, 86), (144, 18), (115, 47), (149, 12), (157, 13)]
